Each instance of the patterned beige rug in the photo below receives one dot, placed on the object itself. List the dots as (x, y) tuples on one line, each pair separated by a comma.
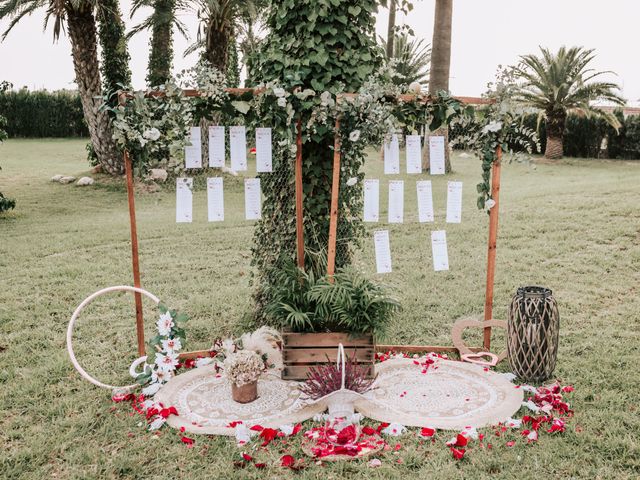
[(450, 395)]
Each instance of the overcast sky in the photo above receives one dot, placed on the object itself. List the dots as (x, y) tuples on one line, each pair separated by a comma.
[(486, 33)]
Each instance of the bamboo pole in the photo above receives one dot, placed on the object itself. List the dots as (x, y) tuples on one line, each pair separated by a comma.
[(134, 253), (299, 206), (491, 251), (335, 190)]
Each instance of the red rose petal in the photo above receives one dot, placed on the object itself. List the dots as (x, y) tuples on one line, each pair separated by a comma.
[(287, 461), (427, 432), (458, 453)]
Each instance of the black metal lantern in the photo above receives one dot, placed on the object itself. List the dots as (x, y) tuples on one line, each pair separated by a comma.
[(532, 333)]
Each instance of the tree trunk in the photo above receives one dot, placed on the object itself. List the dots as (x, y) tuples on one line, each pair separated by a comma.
[(161, 53), (554, 125), (440, 66), (82, 34), (113, 43), (391, 29)]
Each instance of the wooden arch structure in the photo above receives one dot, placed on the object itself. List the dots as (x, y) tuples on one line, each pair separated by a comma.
[(491, 247)]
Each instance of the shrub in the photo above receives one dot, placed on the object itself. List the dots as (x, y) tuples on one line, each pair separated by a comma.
[(38, 114)]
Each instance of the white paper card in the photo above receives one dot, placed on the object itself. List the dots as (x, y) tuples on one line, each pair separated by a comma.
[(414, 154), (454, 202), (215, 199), (392, 156), (238, 146), (216, 147), (263, 150), (425, 201), (396, 201), (436, 155), (184, 200), (193, 152), (371, 200), (439, 250), (383, 251), (252, 199)]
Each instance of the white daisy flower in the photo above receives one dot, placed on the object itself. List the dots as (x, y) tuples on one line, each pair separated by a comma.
[(165, 324), (172, 345), (160, 376), (167, 362)]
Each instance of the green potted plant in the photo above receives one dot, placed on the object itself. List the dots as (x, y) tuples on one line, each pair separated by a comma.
[(317, 313)]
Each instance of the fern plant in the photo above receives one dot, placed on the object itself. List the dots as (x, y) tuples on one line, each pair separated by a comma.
[(352, 303)]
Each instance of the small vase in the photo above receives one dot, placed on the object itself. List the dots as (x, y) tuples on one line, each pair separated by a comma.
[(245, 393)]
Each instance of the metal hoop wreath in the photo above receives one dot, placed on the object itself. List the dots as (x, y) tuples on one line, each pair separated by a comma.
[(76, 314)]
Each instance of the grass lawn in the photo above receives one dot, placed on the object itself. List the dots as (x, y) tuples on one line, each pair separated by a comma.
[(572, 226)]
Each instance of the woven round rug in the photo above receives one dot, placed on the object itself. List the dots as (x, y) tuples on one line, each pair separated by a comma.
[(205, 406), (450, 395)]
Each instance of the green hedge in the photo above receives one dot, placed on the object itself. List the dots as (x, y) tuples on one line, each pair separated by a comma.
[(43, 114), (583, 136)]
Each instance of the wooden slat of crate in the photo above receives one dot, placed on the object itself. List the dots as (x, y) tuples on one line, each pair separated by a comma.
[(299, 372), (308, 340), (305, 350), (322, 355)]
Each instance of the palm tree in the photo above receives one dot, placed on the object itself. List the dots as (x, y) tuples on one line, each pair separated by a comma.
[(78, 17), (441, 63), (161, 22), (114, 53), (391, 29), (220, 23), (412, 59), (560, 83)]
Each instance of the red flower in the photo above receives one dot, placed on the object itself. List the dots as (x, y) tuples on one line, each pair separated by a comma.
[(165, 412), (557, 426), (568, 389), (188, 441), (257, 428), (382, 426), (246, 457), (287, 461), (347, 435), (260, 465), (367, 430), (458, 453), (461, 441), (296, 429), (427, 432), (511, 443), (268, 434)]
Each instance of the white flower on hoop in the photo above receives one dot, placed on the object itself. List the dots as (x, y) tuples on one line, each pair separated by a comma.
[(171, 345), (167, 362), (165, 324), (160, 376), (489, 204)]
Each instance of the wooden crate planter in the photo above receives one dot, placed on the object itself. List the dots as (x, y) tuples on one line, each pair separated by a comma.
[(304, 350)]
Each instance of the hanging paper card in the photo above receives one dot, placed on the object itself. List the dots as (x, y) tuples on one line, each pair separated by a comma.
[(263, 150), (425, 201), (454, 202), (396, 201), (215, 199), (238, 146), (184, 200), (383, 251), (371, 200), (392, 156), (414, 154), (252, 199), (216, 147), (436, 155), (439, 250), (193, 152)]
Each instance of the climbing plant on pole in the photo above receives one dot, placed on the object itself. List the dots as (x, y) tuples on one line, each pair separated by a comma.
[(327, 46)]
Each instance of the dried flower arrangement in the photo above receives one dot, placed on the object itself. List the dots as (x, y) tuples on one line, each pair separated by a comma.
[(243, 367), (327, 378)]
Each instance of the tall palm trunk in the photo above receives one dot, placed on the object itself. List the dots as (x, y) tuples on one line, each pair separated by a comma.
[(440, 65), (82, 34), (391, 29), (161, 54), (554, 124), (113, 43)]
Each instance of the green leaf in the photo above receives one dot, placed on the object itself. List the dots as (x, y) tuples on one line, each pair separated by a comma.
[(242, 107)]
